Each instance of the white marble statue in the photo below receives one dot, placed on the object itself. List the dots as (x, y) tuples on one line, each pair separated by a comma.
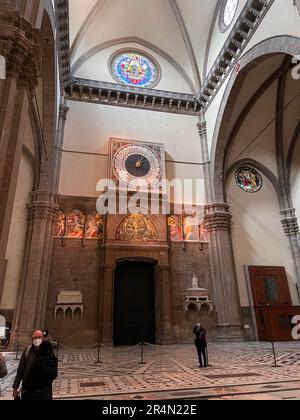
[(195, 282)]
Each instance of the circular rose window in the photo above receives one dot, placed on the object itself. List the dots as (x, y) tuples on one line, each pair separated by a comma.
[(135, 69), (248, 179)]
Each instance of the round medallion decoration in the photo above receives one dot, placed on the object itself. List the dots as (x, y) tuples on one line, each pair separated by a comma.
[(248, 179), (137, 165), (135, 69)]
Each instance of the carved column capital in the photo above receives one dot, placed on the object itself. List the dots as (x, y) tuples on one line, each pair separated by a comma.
[(289, 222), (42, 211), (20, 45), (217, 217)]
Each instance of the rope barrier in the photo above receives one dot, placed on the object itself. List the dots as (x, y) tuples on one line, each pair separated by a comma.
[(152, 345), (119, 348), (78, 348)]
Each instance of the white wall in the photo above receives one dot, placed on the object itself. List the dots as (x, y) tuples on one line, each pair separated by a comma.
[(219, 38), (295, 179), (258, 237), (94, 69), (89, 128), (281, 19)]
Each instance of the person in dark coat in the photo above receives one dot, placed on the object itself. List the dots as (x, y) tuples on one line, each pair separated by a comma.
[(3, 368), (44, 370), (201, 345), (27, 359)]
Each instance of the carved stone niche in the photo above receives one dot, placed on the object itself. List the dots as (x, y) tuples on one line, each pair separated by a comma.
[(197, 297), (69, 301)]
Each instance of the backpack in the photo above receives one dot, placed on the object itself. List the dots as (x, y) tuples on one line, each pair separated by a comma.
[(202, 336)]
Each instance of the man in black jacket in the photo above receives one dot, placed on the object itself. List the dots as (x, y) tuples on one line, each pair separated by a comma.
[(201, 344), (44, 370), (28, 357)]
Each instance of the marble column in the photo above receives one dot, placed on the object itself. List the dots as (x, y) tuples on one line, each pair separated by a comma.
[(291, 229), (224, 280), (57, 155), (226, 296), (32, 299)]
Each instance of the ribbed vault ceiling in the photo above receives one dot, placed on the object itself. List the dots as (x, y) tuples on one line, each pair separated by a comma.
[(175, 31)]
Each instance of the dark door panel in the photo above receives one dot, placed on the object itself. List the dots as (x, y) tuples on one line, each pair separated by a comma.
[(272, 303), (134, 318)]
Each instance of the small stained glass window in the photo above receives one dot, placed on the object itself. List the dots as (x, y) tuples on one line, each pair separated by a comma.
[(135, 69), (248, 179), (228, 11)]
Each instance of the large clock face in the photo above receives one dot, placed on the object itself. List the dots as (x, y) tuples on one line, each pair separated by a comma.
[(137, 165)]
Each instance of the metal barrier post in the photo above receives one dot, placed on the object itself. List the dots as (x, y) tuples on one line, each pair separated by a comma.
[(57, 354), (99, 354), (18, 346), (142, 362), (274, 354)]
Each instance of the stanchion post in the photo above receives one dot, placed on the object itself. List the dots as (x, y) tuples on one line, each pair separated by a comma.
[(17, 354), (274, 354), (57, 355), (98, 362), (142, 362)]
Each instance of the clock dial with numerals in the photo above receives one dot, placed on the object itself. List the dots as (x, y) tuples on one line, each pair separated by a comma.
[(137, 165)]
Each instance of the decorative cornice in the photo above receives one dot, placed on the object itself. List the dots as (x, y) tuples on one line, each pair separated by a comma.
[(217, 217), (132, 97), (63, 35), (290, 222), (42, 211), (244, 29)]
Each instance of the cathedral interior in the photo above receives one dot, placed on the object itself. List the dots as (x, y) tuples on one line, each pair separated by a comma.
[(149, 170)]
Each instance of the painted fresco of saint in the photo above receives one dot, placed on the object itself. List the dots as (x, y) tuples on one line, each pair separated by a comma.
[(75, 224)]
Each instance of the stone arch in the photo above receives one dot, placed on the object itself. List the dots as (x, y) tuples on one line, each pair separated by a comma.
[(278, 45)]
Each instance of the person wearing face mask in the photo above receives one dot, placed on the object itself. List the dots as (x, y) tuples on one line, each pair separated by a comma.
[(28, 357), (44, 370)]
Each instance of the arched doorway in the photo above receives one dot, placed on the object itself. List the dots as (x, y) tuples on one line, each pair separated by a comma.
[(134, 302)]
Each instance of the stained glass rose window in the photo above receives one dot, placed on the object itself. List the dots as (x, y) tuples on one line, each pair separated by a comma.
[(248, 179), (135, 69)]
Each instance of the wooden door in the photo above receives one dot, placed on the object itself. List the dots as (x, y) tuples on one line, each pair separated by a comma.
[(269, 287), (272, 303)]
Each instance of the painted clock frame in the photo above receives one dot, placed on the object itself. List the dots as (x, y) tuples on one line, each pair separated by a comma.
[(121, 149)]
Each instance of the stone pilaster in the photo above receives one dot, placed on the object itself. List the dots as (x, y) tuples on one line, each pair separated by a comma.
[(166, 310), (32, 299), (226, 297), (218, 225), (63, 112), (291, 229), (19, 46), (202, 130)]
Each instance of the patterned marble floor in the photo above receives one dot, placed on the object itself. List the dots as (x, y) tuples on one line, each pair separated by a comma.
[(237, 371)]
